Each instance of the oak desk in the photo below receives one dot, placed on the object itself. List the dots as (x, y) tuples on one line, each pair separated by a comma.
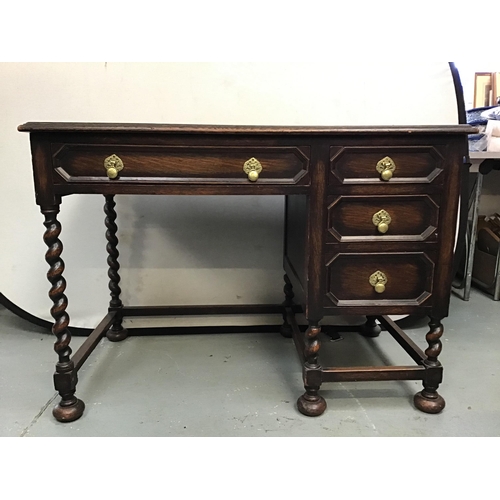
[(369, 226)]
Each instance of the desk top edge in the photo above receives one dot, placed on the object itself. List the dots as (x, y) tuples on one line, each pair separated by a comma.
[(238, 129), (484, 155)]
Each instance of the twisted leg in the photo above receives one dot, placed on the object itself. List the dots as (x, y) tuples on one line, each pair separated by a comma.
[(116, 332), (311, 403), (371, 328), (286, 328), (428, 400), (65, 378)]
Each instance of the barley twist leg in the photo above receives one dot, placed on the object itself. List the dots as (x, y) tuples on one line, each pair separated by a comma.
[(311, 403), (116, 333), (65, 378), (428, 400)]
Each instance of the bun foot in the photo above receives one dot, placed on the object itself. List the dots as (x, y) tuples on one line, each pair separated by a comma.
[(68, 413), (286, 331), (117, 335), (429, 402), (371, 329), (311, 405)]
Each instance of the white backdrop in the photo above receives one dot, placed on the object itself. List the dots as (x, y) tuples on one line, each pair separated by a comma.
[(182, 250)]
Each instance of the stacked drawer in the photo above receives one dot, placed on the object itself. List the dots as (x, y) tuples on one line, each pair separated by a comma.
[(383, 208)]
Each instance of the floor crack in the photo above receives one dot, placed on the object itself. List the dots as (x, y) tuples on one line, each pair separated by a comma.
[(38, 415), (362, 408)]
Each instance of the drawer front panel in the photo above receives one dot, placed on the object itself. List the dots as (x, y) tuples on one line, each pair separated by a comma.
[(356, 279), (85, 163), (358, 165), (392, 218)]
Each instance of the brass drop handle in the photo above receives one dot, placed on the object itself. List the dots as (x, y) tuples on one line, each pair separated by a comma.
[(386, 168), (252, 168), (382, 219), (378, 280), (113, 164)]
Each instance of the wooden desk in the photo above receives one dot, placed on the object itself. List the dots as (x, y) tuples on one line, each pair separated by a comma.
[(369, 226)]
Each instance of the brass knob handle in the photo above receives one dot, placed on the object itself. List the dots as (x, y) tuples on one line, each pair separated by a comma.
[(253, 175), (378, 280), (252, 168), (386, 168), (386, 175), (382, 220), (113, 164)]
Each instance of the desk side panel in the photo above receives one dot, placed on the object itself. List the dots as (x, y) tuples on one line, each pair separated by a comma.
[(456, 171), (42, 170)]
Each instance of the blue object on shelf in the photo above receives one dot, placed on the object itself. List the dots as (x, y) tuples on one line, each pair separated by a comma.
[(474, 115)]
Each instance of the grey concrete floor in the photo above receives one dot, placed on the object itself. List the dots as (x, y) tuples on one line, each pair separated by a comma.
[(248, 384)]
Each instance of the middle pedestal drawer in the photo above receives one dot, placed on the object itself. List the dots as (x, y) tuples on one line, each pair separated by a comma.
[(379, 218)]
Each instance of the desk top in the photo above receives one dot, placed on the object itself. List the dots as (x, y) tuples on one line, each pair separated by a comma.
[(477, 157), (236, 129), (484, 155)]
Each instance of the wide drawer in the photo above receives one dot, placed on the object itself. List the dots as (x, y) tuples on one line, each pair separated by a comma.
[(378, 279), (385, 164), (378, 218), (91, 163)]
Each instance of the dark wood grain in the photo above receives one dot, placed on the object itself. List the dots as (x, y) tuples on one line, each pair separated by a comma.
[(202, 310), (85, 350), (331, 246), (403, 340), (414, 164), (372, 373), (409, 278), (116, 333), (316, 235), (413, 218), (447, 226), (236, 129), (429, 400), (311, 403), (76, 162), (184, 186), (65, 379), (45, 191)]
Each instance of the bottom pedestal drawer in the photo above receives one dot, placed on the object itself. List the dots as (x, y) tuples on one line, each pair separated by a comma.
[(378, 278)]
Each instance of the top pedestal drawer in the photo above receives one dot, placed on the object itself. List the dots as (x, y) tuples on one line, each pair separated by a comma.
[(177, 164), (385, 164)]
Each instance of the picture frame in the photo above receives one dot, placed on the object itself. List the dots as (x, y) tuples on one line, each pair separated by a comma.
[(495, 88), (483, 90)]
